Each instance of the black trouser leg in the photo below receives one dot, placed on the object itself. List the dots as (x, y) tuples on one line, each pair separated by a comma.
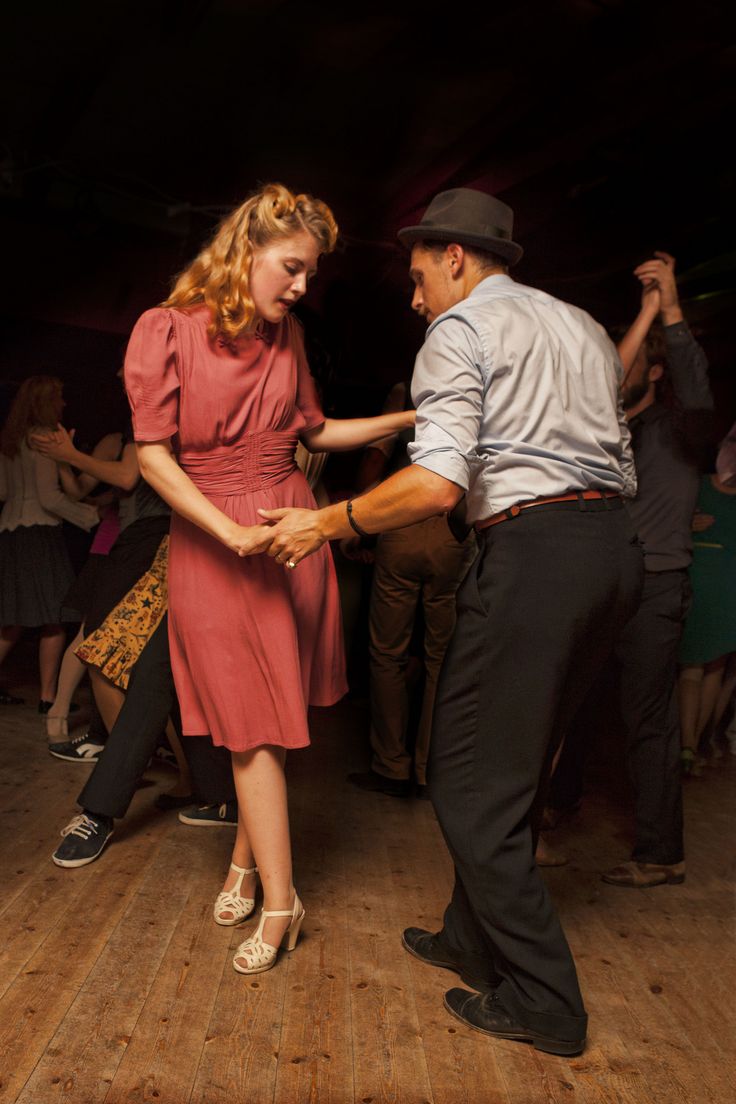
[(212, 769), (537, 615), (148, 703), (647, 652)]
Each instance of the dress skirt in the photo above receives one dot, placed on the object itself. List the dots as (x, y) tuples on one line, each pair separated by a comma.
[(35, 576), (253, 643)]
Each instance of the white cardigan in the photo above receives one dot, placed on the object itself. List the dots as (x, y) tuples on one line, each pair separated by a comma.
[(29, 483)]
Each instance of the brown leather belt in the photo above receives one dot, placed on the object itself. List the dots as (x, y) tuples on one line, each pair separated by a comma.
[(514, 511)]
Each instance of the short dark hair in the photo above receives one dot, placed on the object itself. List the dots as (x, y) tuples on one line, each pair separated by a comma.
[(654, 345), (484, 258)]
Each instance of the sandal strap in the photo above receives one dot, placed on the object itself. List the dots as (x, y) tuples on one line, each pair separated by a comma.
[(227, 900), (243, 869), (281, 912)]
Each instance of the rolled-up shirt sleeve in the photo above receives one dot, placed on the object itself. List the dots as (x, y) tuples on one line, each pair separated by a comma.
[(447, 389)]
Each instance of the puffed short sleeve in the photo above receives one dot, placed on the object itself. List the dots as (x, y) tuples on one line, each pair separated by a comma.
[(151, 377), (307, 400)]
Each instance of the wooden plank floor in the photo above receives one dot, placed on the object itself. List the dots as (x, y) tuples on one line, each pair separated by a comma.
[(115, 985)]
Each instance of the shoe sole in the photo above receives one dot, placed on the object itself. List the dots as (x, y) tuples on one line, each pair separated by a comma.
[(81, 862), (474, 983), (539, 1042), (207, 823), (75, 758), (675, 879)]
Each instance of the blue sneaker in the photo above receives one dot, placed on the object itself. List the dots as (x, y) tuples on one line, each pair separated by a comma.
[(82, 749), (84, 840), (208, 816)]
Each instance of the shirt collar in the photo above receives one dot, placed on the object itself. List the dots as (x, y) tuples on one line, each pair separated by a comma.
[(496, 279)]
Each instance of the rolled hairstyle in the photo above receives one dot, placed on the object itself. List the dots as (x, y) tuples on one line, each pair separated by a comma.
[(220, 275), (35, 406)]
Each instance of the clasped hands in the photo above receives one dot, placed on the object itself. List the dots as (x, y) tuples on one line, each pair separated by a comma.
[(287, 535), (659, 288)]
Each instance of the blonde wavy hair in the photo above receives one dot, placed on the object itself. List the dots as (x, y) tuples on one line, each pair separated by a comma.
[(35, 406), (220, 275)]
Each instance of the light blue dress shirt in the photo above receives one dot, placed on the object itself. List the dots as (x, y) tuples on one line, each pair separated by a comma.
[(517, 398)]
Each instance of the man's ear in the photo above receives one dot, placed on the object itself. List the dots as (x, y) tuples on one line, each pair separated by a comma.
[(455, 256), (655, 373)]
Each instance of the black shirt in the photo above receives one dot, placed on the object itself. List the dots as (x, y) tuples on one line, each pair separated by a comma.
[(667, 474)]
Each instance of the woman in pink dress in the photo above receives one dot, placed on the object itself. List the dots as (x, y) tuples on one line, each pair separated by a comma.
[(221, 393)]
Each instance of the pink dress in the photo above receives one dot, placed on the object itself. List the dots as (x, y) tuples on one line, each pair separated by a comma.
[(252, 643)]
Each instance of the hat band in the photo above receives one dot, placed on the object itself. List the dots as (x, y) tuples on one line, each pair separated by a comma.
[(475, 231)]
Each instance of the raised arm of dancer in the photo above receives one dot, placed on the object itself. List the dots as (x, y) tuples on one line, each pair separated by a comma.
[(122, 473), (635, 336), (343, 434), (158, 467)]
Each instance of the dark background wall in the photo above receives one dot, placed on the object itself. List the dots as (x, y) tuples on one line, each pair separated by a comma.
[(134, 126)]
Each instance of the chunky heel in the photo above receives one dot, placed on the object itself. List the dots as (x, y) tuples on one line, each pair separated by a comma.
[(292, 932), (229, 900), (259, 955)]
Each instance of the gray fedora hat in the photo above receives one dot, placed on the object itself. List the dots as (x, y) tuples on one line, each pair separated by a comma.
[(468, 217)]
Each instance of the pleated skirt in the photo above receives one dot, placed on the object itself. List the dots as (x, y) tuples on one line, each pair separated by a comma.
[(35, 576)]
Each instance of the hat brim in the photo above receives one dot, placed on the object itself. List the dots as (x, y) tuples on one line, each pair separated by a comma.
[(509, 250)]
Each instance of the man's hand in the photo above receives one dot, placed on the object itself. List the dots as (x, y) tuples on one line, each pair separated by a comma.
[(296, 534), (249, 540), (659, 273), (352, 549), (57, 445), (701, 522)]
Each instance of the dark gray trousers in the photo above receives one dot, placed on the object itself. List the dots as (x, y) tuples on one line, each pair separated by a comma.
[(647, 652), (538, 613)]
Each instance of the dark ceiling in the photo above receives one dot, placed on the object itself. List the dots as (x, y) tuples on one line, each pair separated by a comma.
[(135, 125)]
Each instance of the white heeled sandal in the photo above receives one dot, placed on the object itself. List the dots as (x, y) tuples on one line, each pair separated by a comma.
[(229, 900), (262, 956)]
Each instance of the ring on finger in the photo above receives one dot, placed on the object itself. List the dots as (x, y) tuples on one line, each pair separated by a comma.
[(291, 564)]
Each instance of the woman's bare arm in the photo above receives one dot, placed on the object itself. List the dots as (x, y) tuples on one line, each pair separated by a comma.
[(158, 467), (343, 434)]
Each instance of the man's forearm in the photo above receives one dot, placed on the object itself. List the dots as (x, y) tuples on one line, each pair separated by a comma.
[(411, 495)]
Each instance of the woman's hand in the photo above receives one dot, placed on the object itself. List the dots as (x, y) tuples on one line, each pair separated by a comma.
[(297, 534), (58, 445), (249, 540)]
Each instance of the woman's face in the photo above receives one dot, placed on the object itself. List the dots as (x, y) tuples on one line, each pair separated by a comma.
[(279, 274)]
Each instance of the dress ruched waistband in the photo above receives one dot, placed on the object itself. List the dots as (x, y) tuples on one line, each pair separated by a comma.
[(258, 460)]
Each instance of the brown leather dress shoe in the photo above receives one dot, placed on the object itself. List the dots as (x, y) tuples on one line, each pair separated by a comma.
[(548, 856), (378, 783), (638, 875)]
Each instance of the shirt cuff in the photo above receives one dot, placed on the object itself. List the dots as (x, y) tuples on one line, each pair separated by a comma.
[(450, 465), (146, 436), (677, 332)]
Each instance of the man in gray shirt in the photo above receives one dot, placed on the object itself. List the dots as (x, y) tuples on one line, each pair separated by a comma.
[(518, 408)]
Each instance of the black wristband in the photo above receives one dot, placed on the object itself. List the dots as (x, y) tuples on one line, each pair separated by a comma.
[(353, 522)]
